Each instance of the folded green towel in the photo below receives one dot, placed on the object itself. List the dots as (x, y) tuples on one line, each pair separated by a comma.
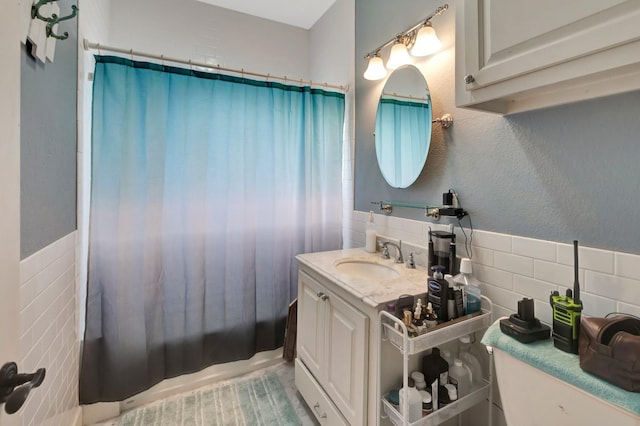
[(546, 357)]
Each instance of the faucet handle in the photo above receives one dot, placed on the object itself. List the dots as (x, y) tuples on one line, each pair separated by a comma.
[(411, 264), (384, 251)]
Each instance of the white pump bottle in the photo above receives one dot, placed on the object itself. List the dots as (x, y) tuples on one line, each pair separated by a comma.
[(370, 235)]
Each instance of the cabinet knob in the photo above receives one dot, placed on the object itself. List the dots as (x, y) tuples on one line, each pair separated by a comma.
[(323, 415), (320, 295), (324, 297), (468, 79)]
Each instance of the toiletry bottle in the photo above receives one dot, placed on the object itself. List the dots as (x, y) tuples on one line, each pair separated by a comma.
[(430, 318), (460, 375), (418, 379), (370, 235), (437, 293), (435, 368), (427, 406), (446, 354), (417, 314), (471, 286), (414, 402), (451, 303), (472, 361)]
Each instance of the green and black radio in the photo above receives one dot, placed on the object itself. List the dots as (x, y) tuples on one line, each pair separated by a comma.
[(567, 310)]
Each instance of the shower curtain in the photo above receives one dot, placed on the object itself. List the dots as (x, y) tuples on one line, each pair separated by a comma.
[(204, 188)]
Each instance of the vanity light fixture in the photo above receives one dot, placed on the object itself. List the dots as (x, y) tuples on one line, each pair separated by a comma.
[(399, 54), (427, 42), (421, 38), (376, 69)]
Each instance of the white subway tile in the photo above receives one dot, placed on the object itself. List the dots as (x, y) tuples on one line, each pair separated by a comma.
[(597, 306), (627, 265), (493, 276), (588, 258), (553, 273), (513, 263), (543, 311), (30, 266), (532, 288), (499, 312), (537, 249), (501, 297), (628, 308), (492, 240), (481, 256), (613, 287), (28, 292)]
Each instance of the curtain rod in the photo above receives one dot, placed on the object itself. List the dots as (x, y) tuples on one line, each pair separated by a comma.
[(97, 46)]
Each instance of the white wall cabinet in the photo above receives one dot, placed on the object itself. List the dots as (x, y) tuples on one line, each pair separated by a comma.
[(514, 56), (331, 368)]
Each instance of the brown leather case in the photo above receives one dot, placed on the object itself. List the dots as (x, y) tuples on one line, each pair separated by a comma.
[(610, 349)]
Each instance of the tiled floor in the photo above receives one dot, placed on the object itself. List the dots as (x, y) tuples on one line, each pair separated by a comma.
[(285, 372)]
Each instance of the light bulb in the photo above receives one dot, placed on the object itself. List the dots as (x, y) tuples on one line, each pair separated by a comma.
[(398, 56), (376, 69), (427, 42)]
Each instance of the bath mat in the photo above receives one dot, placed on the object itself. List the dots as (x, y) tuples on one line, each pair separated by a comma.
[(253, 401)]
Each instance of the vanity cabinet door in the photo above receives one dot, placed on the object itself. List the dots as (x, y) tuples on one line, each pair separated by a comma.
[(513, 55), (346, 359), (332, 340), (311, 324)]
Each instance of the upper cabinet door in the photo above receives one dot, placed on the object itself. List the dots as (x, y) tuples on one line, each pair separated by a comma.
[(516, 55)]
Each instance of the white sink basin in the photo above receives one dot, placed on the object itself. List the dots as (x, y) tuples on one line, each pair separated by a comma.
[(366, 270)]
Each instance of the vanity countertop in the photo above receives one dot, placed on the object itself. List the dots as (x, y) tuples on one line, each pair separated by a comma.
[(372, 292)]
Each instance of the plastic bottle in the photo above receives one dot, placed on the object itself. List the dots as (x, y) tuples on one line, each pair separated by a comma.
[(437, 293), (414, 400), (460, 375), (446, 354), (451, 303), (434, 367), (370, 235), (471, 360), (427, 406), (418, 379), (471, 286)]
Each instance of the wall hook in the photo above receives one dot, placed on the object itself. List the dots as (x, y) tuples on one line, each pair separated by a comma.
[(53, 19), (14, 387)]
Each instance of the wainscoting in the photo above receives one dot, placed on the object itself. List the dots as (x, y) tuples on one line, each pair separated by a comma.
[(49, 336)]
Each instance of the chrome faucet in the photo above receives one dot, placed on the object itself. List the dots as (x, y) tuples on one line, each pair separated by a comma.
[(399, 258)]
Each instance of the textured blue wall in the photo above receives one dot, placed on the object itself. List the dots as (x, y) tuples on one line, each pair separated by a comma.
[(562, 173), (48, 143)]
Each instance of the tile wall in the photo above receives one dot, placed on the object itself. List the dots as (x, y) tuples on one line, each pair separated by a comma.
[(511, 267), (49, 333)]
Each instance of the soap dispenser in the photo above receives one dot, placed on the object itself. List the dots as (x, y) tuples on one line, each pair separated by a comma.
[(370, 235)]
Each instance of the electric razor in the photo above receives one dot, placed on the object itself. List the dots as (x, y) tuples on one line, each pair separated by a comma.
[(567, 311)]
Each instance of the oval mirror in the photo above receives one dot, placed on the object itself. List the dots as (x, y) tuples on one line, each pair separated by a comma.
[(403, 126)]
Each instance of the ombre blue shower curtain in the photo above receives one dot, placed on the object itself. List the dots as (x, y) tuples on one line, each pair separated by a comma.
[(204, 188)]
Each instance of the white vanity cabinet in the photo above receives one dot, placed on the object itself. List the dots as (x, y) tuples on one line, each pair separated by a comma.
[(332, 345), (519, 55), (337, 339)]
